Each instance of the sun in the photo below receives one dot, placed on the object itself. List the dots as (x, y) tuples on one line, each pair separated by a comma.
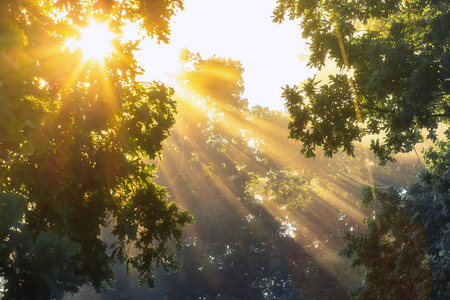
[(95, 41)]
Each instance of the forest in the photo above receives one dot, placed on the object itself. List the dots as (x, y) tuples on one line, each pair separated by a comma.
[(116, 188)]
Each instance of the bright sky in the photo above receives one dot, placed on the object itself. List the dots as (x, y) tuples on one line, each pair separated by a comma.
[(239, 29)]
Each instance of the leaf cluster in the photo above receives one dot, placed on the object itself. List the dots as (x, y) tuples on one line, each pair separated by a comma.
[(405, 248), (396, 55), (217, 79), (288, 190), (391, 251), (41, 265)]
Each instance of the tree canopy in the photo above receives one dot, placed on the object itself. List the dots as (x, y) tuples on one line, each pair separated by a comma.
[(394, 79), (73, 135)]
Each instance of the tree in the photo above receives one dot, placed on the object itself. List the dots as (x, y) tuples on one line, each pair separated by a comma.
[(397, 82), (396, 85), (429, 205), (214, 79), (73, 135), (235, 249), (289, 190), (405, 249)]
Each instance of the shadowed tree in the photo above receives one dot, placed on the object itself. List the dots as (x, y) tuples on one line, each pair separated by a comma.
[(405, 249)]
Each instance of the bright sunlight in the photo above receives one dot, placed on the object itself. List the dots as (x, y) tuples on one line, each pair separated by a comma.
[(95, 41)]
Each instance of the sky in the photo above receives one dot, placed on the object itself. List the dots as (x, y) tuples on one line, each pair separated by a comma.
[(238, 29)]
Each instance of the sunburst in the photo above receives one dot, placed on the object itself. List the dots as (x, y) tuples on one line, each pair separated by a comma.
[(95, 41)]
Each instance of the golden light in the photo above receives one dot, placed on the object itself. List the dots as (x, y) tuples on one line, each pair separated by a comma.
[(131, 32), (96, 41)]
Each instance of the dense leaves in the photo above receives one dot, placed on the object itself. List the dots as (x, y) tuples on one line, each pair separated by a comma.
[(394, 83), (73, 135), (394, 78), (42, 265), (405, 249), (391, 250)]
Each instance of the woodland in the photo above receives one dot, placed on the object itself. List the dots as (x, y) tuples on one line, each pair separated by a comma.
[(114, 188)]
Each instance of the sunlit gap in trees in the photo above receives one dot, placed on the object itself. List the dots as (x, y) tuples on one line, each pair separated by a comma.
[(311, 238), (216, 136), (211, 139), (236, 124)]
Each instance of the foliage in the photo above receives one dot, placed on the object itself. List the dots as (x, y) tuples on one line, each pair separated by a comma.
[(41, 264), (289, 190), (391, 250), (397, 82), (72, 137), (215, 79), (394, 82), (430, 204), (405, 249)]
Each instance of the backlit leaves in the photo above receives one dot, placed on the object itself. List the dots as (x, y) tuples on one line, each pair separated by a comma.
[(396, 55), (73, 137)]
